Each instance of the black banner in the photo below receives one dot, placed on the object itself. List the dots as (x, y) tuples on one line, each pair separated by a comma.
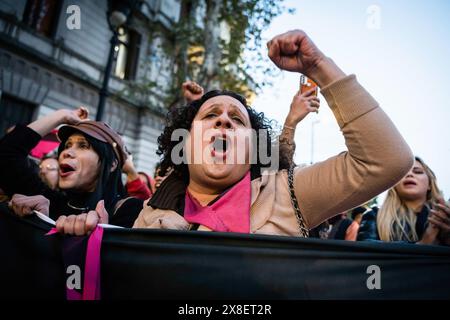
[(168, 264)]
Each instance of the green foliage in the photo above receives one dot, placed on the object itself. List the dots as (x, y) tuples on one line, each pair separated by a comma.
[(243, 65), (240, 61), (247, 20)]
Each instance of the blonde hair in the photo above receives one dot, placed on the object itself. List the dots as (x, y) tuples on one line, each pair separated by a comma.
[(395, 221)]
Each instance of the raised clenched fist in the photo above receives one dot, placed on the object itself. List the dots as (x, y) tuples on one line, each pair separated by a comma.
[(295, 51), (192, 90)]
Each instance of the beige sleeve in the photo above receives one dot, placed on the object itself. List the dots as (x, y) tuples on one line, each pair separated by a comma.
[(377, 157)]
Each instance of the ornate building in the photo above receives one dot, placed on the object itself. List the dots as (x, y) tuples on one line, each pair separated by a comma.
[(49, 62)]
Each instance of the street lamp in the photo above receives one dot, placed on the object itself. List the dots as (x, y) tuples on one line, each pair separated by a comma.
[(118, 14)]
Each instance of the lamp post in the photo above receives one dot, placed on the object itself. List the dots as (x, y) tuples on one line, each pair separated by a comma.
[(118, 14)]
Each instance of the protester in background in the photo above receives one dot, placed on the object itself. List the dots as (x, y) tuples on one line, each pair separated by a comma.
[(231, 191), (147, 180), (136, 187), (191, 91), (352, 231), (31, 162), (334, 228), (322, 231), (159, 176), (49, 171), (90, 158), (340, 226), (302, 104), (413, 211)]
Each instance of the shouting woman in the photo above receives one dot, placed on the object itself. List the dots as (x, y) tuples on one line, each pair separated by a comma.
[(413, 211), (90, 158), (210, 190)]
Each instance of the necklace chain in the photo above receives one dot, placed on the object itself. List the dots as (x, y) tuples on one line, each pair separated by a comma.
[(76, 208)]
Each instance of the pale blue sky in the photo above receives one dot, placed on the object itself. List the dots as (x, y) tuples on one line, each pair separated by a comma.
[(405, 65)]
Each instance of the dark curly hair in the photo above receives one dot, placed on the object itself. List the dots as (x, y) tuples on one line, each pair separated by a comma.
[(182, 118)]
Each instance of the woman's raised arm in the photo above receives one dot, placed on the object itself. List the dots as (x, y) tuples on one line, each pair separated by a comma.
[(377, 155)]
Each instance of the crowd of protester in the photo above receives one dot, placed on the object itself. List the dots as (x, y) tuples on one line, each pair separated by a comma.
[(92, 179)]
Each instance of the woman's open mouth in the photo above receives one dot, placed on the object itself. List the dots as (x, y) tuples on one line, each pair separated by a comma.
[(65, 170), (409, 183), (220, 145)]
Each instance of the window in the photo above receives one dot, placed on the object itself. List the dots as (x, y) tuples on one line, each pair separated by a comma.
[(127, 53), (14, 111), (42, 15)]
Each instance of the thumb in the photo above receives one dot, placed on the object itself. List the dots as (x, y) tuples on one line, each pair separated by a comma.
[(101, 211)]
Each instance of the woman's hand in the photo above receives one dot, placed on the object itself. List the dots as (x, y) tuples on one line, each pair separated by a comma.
[(430, 235), (302, 104), (440, 218), (74, 116), (192, 91), (82, 224), (62, 116), (129, 169), (295, 51), (24, 205)]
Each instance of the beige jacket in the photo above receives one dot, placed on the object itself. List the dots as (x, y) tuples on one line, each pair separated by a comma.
[(377, 158)]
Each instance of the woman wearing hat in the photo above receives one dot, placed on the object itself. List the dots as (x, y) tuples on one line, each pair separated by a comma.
[(219, 193), (90, 158)]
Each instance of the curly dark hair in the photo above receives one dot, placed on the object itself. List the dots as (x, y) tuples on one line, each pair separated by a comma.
[(182, 118)]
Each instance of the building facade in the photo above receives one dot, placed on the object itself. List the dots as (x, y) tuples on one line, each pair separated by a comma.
[(53, 55)]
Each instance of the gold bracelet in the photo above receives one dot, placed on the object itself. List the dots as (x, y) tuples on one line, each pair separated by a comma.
[(287, 127)]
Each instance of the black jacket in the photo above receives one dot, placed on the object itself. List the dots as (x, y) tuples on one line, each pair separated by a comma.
[(368, 230), (17, 176)]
